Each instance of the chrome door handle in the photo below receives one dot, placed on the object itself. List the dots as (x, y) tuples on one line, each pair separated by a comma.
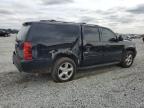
[(86, 52)]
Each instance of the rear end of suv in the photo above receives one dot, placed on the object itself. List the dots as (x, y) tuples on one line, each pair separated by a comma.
[(22, 48), (24, 56)]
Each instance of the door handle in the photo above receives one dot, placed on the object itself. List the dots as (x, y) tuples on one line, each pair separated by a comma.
[(86, 52), (87, 49)]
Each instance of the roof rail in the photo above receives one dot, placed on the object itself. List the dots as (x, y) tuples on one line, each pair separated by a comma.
[(27, 23), (48, 20), (82, 23), (61, 21), (55, 21)]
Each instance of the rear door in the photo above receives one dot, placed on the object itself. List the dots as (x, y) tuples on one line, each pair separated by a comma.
[(20, 38), (112, 50), (92, 47)]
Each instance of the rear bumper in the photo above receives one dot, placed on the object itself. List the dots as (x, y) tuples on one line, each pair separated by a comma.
[(33, 66)]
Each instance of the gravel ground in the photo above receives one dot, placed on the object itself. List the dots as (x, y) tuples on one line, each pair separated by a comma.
[(110, 87)]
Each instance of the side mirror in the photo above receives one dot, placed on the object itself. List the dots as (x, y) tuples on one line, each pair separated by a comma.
[(120, 38), (113, 39)]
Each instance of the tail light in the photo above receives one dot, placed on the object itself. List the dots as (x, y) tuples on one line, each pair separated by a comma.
[(27, 50)]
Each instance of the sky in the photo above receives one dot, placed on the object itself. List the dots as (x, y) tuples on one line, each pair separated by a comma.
[(122, 16)]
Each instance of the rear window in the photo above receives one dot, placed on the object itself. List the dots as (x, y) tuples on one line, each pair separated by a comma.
[(54, 33), (22, 33)]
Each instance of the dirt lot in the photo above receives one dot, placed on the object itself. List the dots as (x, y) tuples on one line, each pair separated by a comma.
[(110, 87)]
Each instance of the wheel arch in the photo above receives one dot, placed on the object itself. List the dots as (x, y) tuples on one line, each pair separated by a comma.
[(71, 56), (131, 49)]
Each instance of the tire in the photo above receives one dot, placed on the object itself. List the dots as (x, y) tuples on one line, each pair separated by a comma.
[(127, 59), (63, 70)]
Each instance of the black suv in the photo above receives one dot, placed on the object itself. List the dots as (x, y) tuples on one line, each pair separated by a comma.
[(62, 47)]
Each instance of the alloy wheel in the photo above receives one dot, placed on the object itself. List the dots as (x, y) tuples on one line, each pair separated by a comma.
[(129, 59), (65, 71)]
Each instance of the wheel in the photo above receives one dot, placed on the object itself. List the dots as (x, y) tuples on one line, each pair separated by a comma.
[(63, 70), (127, 59)]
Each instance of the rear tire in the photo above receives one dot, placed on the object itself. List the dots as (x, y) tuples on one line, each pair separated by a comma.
[(127, 59), (63, 70)]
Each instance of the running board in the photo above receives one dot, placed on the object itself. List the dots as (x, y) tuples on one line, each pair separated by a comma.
[(95, 66)]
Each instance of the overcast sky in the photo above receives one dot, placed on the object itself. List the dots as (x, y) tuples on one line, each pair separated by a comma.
[(123, 16)]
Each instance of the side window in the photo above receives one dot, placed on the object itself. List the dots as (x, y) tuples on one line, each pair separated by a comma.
[(91, 34), (55, 33), (107, 35)]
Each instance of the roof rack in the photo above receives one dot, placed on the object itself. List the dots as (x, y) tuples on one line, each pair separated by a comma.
[(82, 23), (60, 21), (53, 21), (48, 20), (27, 23)]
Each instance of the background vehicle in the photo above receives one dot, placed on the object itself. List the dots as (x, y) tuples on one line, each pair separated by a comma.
[(60, 48), (4, 33)]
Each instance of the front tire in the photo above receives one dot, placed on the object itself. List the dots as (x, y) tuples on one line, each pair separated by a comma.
[(63, 70), (127, 59)]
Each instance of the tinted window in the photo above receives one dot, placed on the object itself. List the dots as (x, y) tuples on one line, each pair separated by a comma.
[(22, 33), (55, 33), (91, 34), (107, 35)]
